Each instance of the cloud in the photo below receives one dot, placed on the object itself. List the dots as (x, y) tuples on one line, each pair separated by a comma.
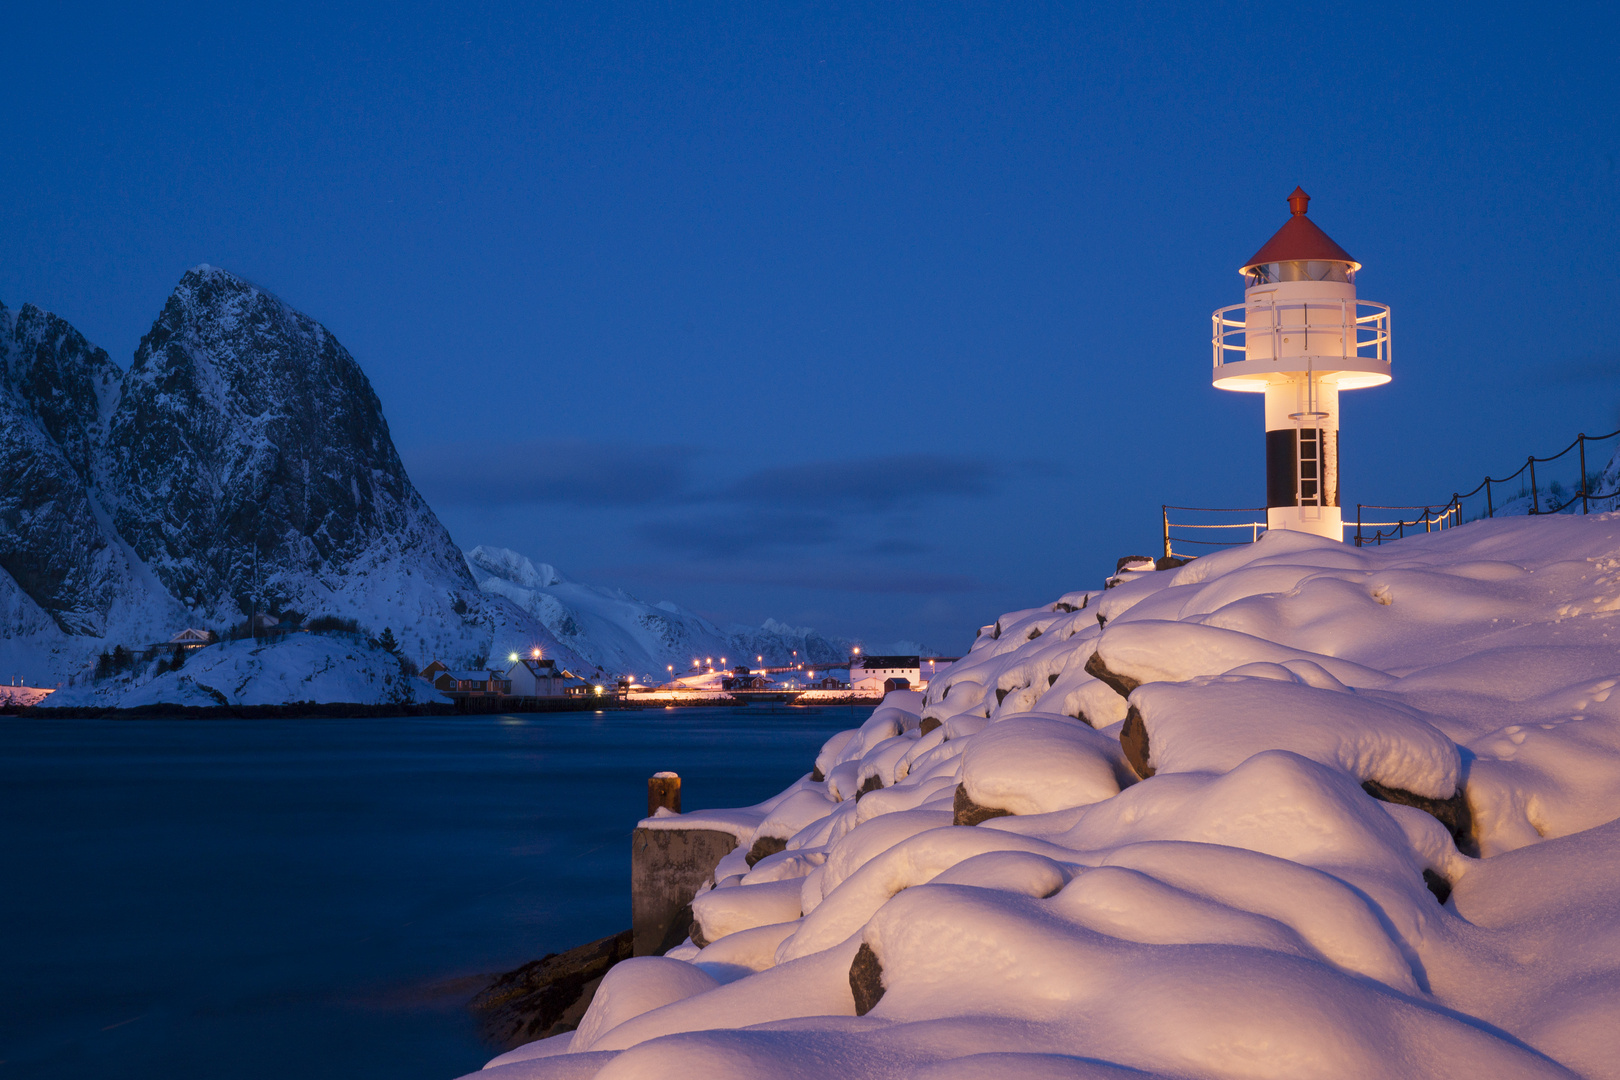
[(574, 473), (864, 482), (729, 534), (822, 576)]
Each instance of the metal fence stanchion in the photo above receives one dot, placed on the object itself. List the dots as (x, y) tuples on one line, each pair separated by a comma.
[(1581, 438), (1535, 499)]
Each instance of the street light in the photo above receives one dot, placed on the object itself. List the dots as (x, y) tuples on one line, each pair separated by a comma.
[(537, 653)]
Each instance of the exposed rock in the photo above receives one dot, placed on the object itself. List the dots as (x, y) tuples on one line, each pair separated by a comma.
[(1120, 684), (764, 847), (870, 784), (1132, 560), (53, 386), (969, 812), (929, 723), (1133, 739), (547, 996), (816, 775), (865, 979), (1169, 562), (1437, 885), (1453, 813)]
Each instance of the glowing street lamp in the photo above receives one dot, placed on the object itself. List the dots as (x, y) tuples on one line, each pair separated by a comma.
[(513, 658), (537, 653)]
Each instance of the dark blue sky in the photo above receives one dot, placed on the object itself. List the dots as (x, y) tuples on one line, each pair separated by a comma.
[(880, 318)]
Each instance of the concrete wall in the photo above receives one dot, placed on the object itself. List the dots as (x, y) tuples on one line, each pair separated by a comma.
[(666, 868)]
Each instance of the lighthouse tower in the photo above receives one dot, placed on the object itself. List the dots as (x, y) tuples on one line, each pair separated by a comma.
[(1301, 337)]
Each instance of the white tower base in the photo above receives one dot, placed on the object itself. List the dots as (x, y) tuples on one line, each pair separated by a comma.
[(1322, 520)]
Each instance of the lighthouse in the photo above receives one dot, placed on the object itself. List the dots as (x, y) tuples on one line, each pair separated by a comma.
[(1301, 337)]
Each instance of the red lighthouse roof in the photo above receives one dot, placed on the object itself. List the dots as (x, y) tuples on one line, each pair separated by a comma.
[(1299, 240)]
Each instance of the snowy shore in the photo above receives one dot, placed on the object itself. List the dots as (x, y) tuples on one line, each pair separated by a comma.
[(1291, 810)]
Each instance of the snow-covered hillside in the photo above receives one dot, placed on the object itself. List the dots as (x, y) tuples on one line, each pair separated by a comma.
[(1291, 810), (613, 630), (295, 669)]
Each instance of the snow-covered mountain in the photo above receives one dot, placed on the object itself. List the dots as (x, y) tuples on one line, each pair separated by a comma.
[(617, 632), (243, 463), (242, 459)]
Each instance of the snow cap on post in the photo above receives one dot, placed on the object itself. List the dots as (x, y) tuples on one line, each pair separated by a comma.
[(1299, 240)]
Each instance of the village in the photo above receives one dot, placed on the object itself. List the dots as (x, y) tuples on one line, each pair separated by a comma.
[(537, 683)]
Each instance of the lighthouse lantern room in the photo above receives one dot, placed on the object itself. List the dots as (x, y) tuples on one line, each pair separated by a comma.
[(1301, 337)]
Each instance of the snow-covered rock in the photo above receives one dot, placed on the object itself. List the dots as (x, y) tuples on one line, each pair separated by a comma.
[(1282, 890)]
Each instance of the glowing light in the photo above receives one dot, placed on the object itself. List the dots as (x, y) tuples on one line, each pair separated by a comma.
[(537, 654), (513, 658), (599, 690)]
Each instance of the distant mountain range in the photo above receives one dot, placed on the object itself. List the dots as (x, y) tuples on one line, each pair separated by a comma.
[(613, 630), (243, 463)]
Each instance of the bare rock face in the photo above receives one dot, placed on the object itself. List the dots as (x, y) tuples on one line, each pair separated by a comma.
[(53, 384), (1133, 739), (548, 996), (968, 812), (1120, 684), (865, 979), (248, 446), (763, 848), (1453, 813)]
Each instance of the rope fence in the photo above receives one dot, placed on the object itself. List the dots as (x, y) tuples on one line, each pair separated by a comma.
[(1539, 495)]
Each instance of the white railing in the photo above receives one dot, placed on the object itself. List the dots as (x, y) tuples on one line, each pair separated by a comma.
[(1352, 327), (1251, 528)]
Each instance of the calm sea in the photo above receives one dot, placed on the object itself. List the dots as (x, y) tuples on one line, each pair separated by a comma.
[(315, 898)]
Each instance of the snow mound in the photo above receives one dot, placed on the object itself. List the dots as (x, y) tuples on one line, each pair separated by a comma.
[(1291, 810)]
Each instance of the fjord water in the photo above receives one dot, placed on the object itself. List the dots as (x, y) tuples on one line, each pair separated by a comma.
[(317, 898)]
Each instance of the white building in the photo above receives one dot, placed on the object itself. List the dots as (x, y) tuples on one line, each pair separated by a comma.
[(536, 677), (872, 674)]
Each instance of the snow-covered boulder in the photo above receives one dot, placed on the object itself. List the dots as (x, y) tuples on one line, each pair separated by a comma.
[(1371, 832)]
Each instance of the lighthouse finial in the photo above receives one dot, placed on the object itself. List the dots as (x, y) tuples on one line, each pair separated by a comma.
[(1298, 201)]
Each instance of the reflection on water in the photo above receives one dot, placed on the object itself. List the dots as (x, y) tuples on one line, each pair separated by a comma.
[(317, 898)]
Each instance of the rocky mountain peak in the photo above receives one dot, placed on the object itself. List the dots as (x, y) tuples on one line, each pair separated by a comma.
[(248, 451)]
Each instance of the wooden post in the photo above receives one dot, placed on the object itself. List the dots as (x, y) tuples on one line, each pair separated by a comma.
[(663, 789)]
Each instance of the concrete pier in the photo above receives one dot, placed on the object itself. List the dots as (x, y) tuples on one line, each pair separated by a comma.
[(667, 866)]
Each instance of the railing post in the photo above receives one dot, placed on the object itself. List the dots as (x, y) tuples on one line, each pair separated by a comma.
[(1535, 499), (1582, 440), (1166, 511), (1358, 524), (1490, 508)]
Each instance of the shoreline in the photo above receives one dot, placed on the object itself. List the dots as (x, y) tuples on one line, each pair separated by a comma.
[(338, 710)]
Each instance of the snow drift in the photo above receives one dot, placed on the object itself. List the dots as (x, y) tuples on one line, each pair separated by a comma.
[(1291, 810)]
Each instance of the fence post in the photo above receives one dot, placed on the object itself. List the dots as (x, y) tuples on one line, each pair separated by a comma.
[(1358, 524), (1535, 499), (1166, 511), (1581, 438)]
